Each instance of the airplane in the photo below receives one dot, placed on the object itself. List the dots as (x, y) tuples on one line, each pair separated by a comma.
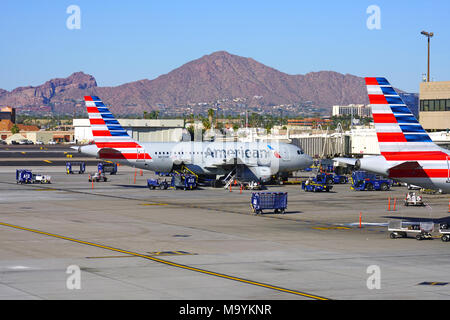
[(407, 152), (252, 161)]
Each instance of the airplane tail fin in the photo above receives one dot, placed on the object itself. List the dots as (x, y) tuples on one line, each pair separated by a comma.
[(109, 136), (400, 135)]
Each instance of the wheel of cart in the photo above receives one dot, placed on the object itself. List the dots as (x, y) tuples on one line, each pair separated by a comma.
[(444, 230)]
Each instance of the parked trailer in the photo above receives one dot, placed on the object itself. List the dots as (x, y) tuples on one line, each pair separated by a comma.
[(276, 201), (399, 229), (75, 167)]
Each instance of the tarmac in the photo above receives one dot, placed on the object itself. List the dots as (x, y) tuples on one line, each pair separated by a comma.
[(129, 242)]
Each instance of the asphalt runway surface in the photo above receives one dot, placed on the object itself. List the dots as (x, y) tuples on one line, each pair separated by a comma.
[(130, 242)]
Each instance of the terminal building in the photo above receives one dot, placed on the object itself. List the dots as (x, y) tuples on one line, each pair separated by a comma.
[(143, 130), (435, 105)]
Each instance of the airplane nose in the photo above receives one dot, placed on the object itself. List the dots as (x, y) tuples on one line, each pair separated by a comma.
[(309, 161)]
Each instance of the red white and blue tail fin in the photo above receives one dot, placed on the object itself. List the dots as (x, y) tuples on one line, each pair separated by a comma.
[(109, 136), (400, 135)]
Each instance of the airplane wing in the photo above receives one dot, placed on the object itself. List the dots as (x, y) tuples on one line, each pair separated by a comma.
[(349, 161), (229, 163)]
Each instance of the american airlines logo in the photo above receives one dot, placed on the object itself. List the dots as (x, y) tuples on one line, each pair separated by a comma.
[(274, 151), (237, 153)]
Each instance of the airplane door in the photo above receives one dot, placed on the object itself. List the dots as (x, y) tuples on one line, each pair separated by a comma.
[(140, 155), (285, 155)]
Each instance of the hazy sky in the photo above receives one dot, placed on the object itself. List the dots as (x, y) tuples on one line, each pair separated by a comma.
[(123, 41)]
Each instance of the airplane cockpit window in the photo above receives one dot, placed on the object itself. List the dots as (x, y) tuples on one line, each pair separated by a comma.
[(300, 152)]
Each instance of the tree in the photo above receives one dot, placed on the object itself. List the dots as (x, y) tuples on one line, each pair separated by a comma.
[(210, 116), (15, 129)]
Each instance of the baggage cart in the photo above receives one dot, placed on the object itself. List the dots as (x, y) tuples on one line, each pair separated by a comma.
[(105, 167), (276, 201), (75, 167)]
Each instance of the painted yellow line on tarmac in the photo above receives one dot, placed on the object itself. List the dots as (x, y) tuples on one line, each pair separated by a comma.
[(331, 228), (48, 161), (181, 266)]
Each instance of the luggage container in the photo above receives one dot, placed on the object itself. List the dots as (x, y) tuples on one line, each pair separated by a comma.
[(276, 201), (24, 176), (185, 182), (105, 167)]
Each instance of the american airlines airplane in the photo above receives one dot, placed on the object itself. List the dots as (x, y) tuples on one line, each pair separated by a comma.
[(407, 152), (253, 161)]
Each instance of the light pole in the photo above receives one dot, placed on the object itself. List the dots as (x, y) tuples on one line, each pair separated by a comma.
[(429, 35)]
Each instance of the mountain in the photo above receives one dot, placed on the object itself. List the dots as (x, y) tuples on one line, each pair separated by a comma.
[(218, 76)]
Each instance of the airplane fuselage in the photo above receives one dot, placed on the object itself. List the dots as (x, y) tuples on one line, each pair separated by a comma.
[(212, 158)]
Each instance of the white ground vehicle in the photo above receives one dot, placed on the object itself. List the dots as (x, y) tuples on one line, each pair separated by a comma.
[(41, 178), (413, 199), (97, 176)]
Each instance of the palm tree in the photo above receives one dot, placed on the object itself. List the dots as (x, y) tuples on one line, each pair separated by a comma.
[(211, 116)]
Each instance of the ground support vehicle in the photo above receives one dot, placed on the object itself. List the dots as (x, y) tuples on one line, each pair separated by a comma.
[(153, 184), (330, 178), (97, 177), (312, 186), (399, 229), (362, 180), (413, 199), (444, 230), (276, 201), (41, 178)]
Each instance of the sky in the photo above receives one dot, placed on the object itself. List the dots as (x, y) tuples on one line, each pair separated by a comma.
[(124, 41)]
